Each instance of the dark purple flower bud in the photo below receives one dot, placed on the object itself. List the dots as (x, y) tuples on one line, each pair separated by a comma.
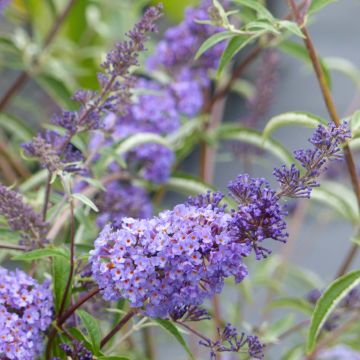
[(22, 217), (77, 350), (189, 313), (229, 341), (45, 152), (259, 215), (326, 141)]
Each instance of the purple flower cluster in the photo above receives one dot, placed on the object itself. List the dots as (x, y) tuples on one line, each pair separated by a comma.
[(77, 350), (120, 200), (176, 51), (114, 97), (3, 5), (177, 259), (22, 217), (265, 83), (159, 107), (326, 143), (259, 215), (230, 341), (25, 313)]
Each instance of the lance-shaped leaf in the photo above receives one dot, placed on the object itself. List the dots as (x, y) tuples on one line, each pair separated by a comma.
[(317, 5), (292, 119), (212, 41), (253, 137), (172, 329), (261, 10), (331, 297), (41, 253), (93, 329)]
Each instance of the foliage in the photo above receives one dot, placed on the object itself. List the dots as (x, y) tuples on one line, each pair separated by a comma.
[(87, 200)]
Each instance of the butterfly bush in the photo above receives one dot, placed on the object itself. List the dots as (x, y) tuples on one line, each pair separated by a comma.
[(182, 257), (166, 263), (26, 310)]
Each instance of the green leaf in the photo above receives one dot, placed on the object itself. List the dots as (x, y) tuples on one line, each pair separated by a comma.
[(60, 273), (36, 179), (345, 67), (232, 48), (93, 329), (262, 25), (292, 118), (15, 127), (187, 185), (299, 52), (261, 10), (85, 200), (317, 5), (334, 293), (190, 185), (78, 335), (338, 197), (139, 139), (172, 329), (57, 90), (355, 124), (9, 235), (292, 303), (295, 353), (213, 40), (249, 136), (291, 26), (278, 328), (41, 253)]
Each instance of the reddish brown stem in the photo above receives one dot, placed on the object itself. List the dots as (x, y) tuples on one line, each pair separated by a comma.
[(47, 196), (74, 307), (72, 259), (330, 105), (65, 316), (118, 327)]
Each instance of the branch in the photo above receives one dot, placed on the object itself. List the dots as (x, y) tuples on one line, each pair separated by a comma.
[(24, 76), (330, 105), (118, 327)]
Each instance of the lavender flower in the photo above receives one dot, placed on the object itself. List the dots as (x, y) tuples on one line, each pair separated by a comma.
[(339, 352), (77, 350), (3, 5), (180, 44), (25, 314), (259, 215), (154, 160), (22, 217), (230, 341), (177, 259), (121, 200), (116, 84), (45, 152), (326, 142), (265, 83)]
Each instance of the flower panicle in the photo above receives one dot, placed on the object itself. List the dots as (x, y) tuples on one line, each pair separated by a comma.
[(229, 340), (26, 311), (326, 143), (22, 217)]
